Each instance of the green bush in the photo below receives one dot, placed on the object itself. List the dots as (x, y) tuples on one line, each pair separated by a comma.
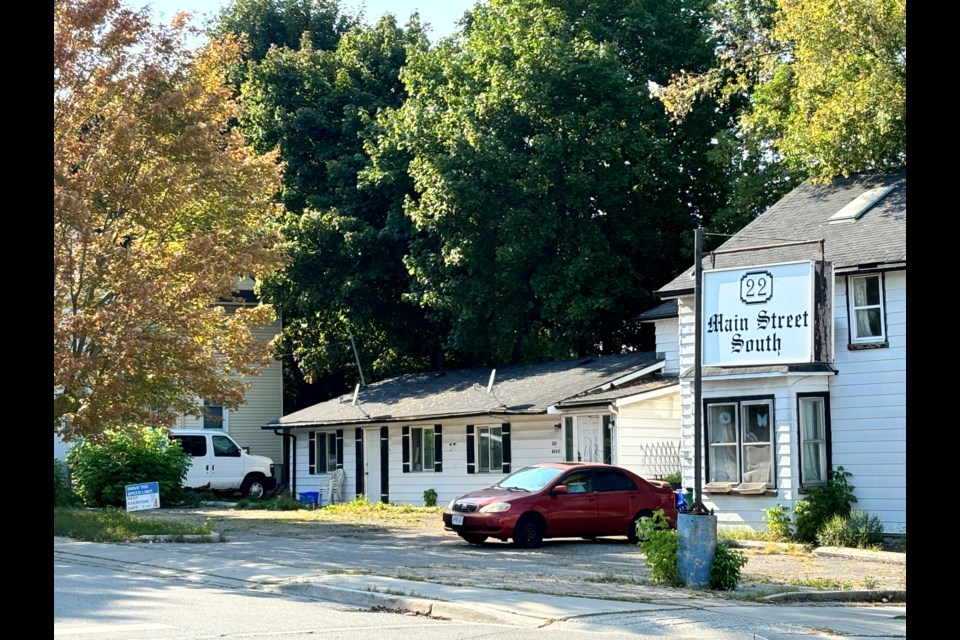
[(63, 495), (822, 503), (430, 498), (725, 570), (779, 524), (860, 530), (661, 545), (101, 471)]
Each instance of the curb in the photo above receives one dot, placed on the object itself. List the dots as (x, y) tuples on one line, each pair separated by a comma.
[(187, 537), (419, 606), (873, 596)]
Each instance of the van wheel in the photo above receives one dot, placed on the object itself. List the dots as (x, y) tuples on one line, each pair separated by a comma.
[(253, 487)]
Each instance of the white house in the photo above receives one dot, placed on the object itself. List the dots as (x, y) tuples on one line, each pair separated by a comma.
[(803, 353), (456, 431)]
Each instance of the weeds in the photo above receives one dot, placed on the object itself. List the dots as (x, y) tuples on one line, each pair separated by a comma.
[(114, 525)]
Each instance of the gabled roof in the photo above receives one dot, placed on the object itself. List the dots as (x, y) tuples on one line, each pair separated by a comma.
[(517, 389), (874, 239)]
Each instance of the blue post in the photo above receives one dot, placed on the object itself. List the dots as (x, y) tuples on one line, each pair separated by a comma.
[(698, 544)]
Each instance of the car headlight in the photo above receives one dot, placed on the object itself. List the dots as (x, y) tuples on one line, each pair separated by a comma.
[(496, 507), (450, 506)]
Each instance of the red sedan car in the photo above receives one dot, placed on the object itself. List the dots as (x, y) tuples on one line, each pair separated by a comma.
[(557, 500)]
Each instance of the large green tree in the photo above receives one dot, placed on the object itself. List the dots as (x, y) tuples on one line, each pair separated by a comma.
[(552, 193), (346, 278), (826, 82), (158, 210)]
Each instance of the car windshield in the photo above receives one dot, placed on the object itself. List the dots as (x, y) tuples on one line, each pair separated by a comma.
[(529, 478)]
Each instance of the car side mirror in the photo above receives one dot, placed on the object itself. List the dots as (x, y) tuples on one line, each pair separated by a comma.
[(560, 489)]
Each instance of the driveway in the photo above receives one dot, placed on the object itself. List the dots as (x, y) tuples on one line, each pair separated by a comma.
[(608, 568)]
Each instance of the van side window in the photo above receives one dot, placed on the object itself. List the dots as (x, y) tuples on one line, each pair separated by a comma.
[(225, 447), (194, 445)]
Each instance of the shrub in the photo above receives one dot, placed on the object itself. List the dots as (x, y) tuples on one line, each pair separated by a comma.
[(725, 570), (429, 498), (860, 530), (101, 471), (661, 545), (63, 495), (778, 523), (822, 503)]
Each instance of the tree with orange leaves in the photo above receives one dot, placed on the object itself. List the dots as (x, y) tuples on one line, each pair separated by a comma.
[(159, 209)]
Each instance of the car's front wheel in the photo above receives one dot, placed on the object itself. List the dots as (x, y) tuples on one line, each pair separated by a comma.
[(528, 534), (632, 534), (473, 538), (253, 487)]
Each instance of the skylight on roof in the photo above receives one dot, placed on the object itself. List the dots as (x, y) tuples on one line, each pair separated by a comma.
[(861, 204)]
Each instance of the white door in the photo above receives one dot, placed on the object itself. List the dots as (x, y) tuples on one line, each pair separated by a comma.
[(227, 470), (584, 439), (371, 464), (201, 459)]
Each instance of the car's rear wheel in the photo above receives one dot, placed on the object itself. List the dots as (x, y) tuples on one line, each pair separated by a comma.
[(632, 534), (528, 534), (473, 538)]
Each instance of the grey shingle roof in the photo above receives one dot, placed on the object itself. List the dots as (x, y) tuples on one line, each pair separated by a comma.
[(523, 388), (668, 309), (878, 239)]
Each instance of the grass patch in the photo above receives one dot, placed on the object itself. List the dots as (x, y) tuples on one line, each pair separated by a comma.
[(114, 525), (348, 572), (745, 533), (275, 503), (361, 508), (823, 584)]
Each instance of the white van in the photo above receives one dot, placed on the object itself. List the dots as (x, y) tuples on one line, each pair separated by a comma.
[(221, 465)]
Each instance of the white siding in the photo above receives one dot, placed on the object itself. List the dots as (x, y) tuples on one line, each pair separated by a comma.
[(647, 425), (868, 402), (531, 441), (867, 416), (263, 404), (668, 344)]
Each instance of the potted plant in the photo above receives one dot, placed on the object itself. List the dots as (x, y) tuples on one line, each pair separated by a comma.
[(674, 479)]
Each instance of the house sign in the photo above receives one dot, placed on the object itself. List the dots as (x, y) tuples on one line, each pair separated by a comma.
[(766, 315)]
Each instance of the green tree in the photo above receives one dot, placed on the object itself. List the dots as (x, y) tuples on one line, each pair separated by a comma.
[(158, 210), (552, 194), (346, 238), (284, 24), (826, 81)]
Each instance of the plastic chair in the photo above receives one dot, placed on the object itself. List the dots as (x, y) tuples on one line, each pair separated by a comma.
[(333, 486)]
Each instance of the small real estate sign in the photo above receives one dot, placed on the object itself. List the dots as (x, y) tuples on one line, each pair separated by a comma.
[(145, 495), (767, 315)]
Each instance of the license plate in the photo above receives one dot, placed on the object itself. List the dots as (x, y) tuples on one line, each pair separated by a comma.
[(457, 519)]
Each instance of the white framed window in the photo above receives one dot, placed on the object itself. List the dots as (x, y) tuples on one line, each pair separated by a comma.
[(214, 416), (489, 449), (421, 449), (740, 440), (865, 298), (813, 423)]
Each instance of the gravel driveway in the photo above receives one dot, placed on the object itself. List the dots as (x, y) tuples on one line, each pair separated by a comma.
[(420, 549)]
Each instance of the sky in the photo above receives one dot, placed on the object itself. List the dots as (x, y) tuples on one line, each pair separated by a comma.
[(441, 15)]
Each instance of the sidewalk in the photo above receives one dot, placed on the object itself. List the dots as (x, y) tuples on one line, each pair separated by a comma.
[(195, 562)]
